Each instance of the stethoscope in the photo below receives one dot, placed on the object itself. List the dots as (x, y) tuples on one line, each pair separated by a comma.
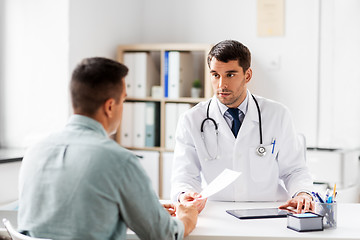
[(260, 150)]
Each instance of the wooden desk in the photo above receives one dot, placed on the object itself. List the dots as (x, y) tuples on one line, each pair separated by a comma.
[(215, 223)]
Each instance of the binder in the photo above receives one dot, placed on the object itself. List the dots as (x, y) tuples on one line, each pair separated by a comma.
[(166, 174), (139, 124), (129, 79), (127, 125), (182, 107), (149, 160), (152, 124), (180, 74), (142, 75), (171, 112), (146, 75), (166, 74)]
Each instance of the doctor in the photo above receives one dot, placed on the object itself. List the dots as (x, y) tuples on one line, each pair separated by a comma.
[(246, 133)]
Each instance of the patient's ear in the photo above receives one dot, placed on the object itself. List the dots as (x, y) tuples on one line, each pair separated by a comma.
[(109, 107)]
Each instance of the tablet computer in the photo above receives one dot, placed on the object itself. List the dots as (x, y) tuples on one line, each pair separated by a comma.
[(258, 213)]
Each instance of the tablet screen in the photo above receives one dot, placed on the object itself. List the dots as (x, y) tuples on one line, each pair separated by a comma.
[(257, 213)]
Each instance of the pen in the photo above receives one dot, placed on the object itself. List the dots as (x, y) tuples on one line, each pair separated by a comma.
[(273, 143), (314, 195), (320, 199), (327, 195)]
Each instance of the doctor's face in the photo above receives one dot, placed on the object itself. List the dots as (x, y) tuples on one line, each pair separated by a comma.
[(229, 82)]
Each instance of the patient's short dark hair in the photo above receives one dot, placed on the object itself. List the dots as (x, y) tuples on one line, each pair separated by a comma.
[(94, 81), (228, 50)]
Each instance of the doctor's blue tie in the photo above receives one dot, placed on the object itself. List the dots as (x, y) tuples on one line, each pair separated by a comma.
[(234, 112)]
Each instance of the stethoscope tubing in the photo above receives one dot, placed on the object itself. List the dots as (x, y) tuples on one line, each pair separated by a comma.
[(260, 150)]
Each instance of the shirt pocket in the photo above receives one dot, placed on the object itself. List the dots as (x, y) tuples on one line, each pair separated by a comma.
[(263, 168)]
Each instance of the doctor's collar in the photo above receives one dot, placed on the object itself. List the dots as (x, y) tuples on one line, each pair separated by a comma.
[(242, 107)]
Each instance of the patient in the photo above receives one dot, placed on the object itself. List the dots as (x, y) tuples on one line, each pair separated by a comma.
[(80, 184)]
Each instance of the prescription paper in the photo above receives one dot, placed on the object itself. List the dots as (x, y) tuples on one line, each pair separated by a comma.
[(220, 182)]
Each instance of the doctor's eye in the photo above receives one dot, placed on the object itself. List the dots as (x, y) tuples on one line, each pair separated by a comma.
[(215, 75), (229, 75)]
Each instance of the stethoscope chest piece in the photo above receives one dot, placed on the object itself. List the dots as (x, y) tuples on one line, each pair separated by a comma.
[(261, 151)]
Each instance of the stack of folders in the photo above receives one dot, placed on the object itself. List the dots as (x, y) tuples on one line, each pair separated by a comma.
[(305, 222), (140, 125), (173, 112), (178, 74), (142, 74)]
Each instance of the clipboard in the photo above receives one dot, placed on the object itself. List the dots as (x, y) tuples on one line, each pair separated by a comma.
[(258, 213)]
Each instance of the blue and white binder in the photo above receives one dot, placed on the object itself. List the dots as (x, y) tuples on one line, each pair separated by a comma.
[(180, 74), (166, 74)]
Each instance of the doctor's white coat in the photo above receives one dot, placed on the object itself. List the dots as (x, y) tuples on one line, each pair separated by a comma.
[(273, 177)]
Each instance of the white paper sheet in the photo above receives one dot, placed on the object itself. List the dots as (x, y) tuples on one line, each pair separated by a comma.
[(220, 182)]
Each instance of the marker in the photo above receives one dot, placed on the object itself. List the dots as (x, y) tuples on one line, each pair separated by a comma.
[(273, 143)]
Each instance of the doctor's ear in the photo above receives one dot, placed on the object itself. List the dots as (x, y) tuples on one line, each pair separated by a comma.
[(248, 75)]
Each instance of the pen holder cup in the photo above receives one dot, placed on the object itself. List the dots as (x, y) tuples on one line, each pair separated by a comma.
[(329, 212)]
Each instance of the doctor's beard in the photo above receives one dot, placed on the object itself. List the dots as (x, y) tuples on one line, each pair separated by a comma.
[(228, 99)]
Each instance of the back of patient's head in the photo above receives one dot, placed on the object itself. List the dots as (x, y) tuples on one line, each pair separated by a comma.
[(94, 81), (229, 50)]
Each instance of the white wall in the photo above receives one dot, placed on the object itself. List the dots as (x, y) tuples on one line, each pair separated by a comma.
[(98, 27), (35, 70), (44, 40), (340, 74), (293, 81), (2, 22)]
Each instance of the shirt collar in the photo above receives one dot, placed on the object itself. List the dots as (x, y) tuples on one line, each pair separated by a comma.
[(242, 107), (87, 122)]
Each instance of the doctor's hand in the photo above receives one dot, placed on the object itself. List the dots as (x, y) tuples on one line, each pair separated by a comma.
[(193, 198), (302, 203)]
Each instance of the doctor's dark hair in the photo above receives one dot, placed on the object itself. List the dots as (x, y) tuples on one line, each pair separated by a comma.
[(228, 50), (94, 81)]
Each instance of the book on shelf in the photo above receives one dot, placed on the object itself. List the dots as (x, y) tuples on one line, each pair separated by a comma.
[(142, 74)]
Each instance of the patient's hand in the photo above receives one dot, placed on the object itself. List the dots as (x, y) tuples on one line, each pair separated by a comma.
[(171, 208)]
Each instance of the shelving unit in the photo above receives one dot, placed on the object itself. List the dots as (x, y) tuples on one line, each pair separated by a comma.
[(157, 53)]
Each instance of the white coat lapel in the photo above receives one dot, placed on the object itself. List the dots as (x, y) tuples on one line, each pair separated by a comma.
[(220, 120)]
